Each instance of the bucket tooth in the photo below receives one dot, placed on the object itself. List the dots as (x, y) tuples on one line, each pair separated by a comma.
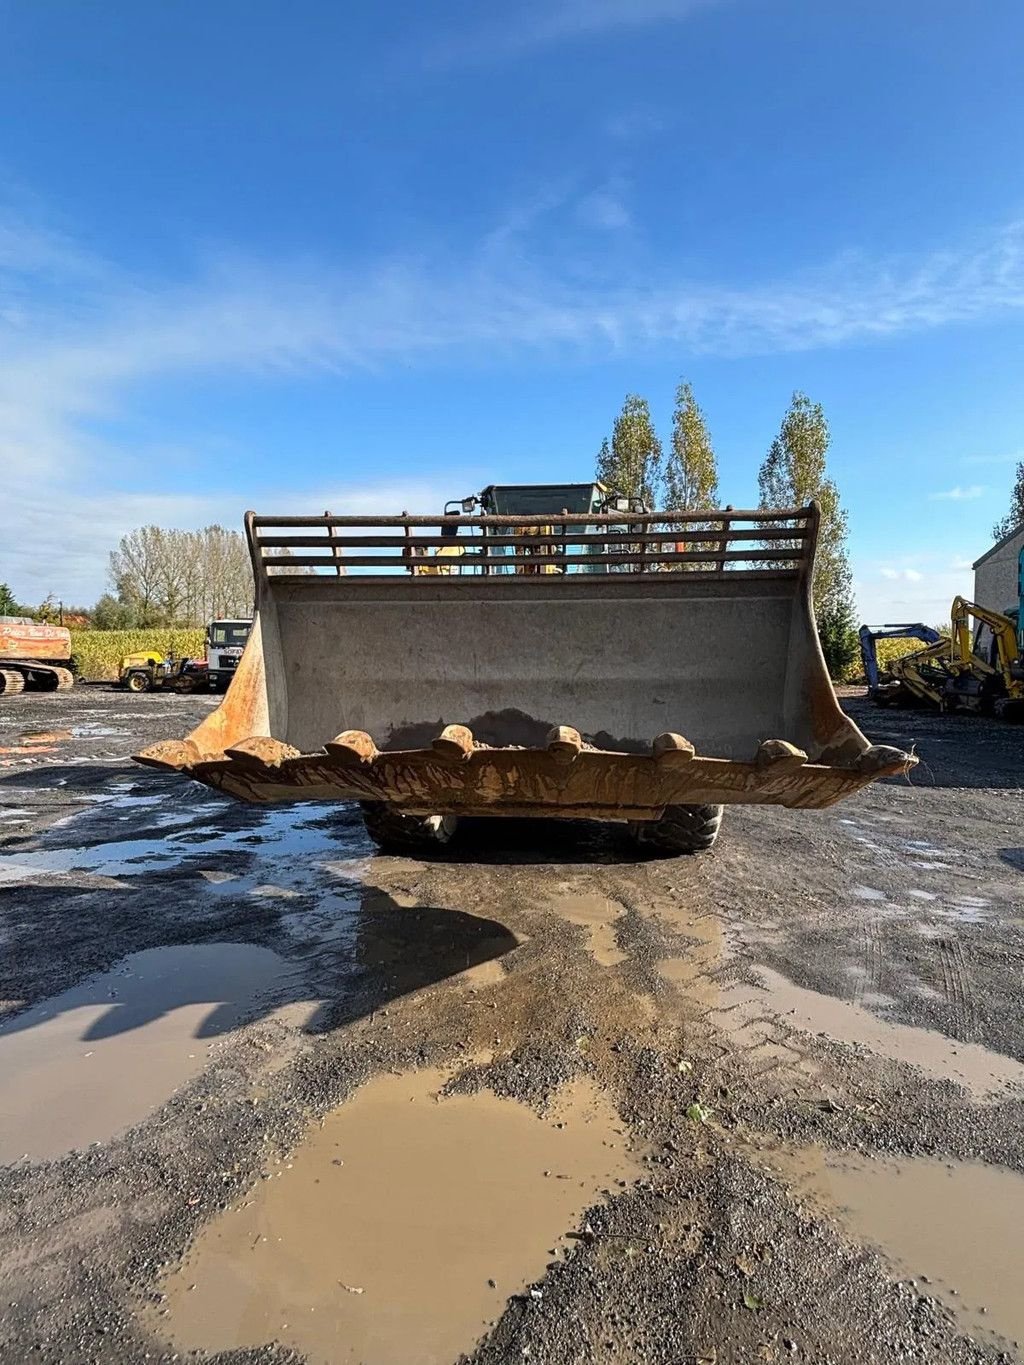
[(352, 747), (672, 746), (883, 758), (564, 743), (454, 741), (170, 754), (779, 755), (260, 751)]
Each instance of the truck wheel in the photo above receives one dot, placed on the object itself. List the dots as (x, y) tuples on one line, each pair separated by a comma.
[(681, 829), (11, 682), (137, 682), (395, 832)]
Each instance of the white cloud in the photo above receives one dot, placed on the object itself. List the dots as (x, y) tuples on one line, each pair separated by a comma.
[(77, 336), (958, 494), (900, 593), (901, 575), (526, 27)]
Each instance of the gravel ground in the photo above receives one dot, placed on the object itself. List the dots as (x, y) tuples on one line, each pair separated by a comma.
[(832, 985)]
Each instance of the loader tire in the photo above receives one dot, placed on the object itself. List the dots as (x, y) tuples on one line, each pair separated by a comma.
[(682, 829), (137, 682), (11, 682), (395, 832)]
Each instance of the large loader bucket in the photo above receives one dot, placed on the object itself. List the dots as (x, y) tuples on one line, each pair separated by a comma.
[(598, 666)]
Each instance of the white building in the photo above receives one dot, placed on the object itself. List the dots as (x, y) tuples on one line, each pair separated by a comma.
[(996, 581)]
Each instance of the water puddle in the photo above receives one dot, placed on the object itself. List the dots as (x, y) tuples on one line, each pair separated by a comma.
[(596, 914), (983, 1074), (86, 1065), (745, 1013), (397, 1231), (285, 838), (954, 1227)]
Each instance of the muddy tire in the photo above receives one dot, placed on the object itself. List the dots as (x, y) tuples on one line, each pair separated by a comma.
[(395, 832), (137, 682), (682, 829), (11, 682)]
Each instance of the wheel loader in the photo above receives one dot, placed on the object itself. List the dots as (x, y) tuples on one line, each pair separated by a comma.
[(541, 651)]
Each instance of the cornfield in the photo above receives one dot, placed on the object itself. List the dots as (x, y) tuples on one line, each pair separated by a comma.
[(98, 653)]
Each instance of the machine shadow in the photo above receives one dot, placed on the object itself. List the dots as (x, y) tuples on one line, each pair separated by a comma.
[(370, 952), (509, 841)]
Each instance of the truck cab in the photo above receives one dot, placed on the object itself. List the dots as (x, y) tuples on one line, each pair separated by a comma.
[(225, 641)]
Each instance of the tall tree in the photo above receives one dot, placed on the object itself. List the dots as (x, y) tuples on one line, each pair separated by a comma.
[(1015, 516), (632, 463), (691, 472), (8, 606), (792, 475)]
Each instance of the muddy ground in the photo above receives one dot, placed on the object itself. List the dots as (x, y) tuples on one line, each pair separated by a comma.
[(266, 1096)]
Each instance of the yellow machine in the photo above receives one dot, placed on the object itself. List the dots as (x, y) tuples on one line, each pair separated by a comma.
[(151, 671), (920, 676), (986, 672), (975, 669)]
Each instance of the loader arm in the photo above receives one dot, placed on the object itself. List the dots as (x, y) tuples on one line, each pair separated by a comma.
[(632, 679)]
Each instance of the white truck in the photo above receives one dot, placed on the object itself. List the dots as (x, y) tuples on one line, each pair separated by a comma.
[(225, 641)]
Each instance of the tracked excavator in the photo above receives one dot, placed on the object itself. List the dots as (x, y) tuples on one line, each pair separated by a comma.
[(547, 651), (976, 668), (34, 656)]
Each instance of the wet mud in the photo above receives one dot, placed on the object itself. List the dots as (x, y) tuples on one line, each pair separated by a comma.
[(268, 1096)]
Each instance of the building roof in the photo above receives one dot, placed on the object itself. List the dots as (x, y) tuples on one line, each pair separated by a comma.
[(1012, 535)]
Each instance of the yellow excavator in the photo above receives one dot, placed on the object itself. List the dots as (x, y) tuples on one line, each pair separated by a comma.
[(659, 666), (977, 668)]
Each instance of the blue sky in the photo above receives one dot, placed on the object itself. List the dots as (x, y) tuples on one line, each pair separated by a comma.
[(307, 255)]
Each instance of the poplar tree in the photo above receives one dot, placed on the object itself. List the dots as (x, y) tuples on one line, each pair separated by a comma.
[(691, 472), (792, 475), (631, 464)]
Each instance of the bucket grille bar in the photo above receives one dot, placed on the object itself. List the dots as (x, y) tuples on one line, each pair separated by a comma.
[(711, 544)]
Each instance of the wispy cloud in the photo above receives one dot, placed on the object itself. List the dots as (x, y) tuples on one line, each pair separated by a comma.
[(960, 494), (605, 209), (524, 28), (78, 335), (900, 575)]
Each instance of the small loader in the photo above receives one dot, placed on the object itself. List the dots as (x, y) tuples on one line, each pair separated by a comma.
[(576, 658)]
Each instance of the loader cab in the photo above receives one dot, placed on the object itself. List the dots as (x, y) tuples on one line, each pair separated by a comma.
[(537, 500)]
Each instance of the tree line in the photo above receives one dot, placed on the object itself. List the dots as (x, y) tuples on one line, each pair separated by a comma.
[(792, 474), (164, 577)]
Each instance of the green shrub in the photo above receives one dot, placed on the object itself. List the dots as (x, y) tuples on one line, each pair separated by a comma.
[(97, 654)]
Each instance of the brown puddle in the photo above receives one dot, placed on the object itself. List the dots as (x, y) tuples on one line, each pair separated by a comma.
[(956, 1227), (596, 914), (397, 1231), (84, 1066), (741, 1009)]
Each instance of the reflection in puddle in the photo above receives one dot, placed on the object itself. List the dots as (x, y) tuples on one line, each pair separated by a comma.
[(90, 1063), (958, 1225), (596, 914), (398, 1230)]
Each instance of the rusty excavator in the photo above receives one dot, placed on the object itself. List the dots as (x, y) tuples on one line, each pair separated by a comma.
[(549, 651)]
